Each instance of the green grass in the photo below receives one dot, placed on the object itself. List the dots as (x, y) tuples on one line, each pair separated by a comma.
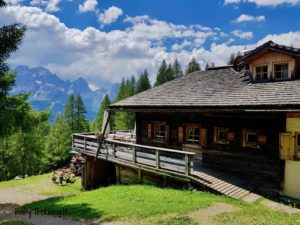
[(129, 202), (177, 220), (58, 190), (42, 184), (26, 181), (153, 205), (257, 214), (14, 223)]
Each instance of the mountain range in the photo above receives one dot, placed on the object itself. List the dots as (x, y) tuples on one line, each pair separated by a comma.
[(47, 90)]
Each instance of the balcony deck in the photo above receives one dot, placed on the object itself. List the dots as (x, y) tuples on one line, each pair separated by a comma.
[(120, 148)]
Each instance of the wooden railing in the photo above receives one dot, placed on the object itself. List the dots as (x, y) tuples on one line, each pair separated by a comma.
[(141, 155)]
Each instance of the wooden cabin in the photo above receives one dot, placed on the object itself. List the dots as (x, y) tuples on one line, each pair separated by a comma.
[(243, 121)]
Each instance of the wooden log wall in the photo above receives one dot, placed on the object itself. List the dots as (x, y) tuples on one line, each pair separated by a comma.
[(262, 164)]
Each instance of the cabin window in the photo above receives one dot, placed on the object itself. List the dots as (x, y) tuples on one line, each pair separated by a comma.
[(221, 135), (281, 71), (261, 73), (250, 139), (159, 131), (193, 135)]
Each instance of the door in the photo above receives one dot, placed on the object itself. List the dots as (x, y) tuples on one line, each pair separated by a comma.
[(287, 146)]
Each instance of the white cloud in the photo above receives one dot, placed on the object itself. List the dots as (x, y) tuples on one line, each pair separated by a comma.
[(88, 5), (231, 1), (107, 56), (264, 2), (13, 2), (110, 15), (50, 5), (243, 34), (249, 18)]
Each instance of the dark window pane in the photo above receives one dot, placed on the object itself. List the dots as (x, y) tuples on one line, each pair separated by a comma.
[(222, 135), (251, 138)]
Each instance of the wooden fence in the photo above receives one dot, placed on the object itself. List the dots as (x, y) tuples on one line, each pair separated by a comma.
[(141, 155)]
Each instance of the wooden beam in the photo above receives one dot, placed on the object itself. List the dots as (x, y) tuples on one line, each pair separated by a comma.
[(102, 135)]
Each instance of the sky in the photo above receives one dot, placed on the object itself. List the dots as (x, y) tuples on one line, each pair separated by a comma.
[(105, 40)]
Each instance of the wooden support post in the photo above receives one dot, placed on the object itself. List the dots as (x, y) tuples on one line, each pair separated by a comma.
[(157, 159), (114, 150), (84, 143), (133, 155), (118, 177), (102, 136), (187, 166), (140, 175)]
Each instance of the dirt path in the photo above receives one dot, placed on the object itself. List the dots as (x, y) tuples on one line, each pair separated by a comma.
[(207, 216)]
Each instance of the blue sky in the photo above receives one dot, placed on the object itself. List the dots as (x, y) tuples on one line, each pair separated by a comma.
[(103, 40)]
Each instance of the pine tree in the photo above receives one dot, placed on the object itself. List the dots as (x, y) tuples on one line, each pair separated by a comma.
[(96, 125), (69, 112), (12, 108), (206, 66), (177, 69), (143, 82), (58, 144), (192, 66), (80, 121), (161, 76), (231, 59), (122, 91), (170, 73)]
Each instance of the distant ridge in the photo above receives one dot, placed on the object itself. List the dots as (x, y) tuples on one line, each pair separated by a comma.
[(49, 91)]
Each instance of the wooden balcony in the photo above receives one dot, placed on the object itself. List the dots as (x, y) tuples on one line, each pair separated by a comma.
[(120, 148)]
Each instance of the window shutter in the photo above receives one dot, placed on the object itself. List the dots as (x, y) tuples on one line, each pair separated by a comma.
[(262, 139), (180, 135), (230, 136), (149, 130), (203, 136), (287, 146), (167, 132)]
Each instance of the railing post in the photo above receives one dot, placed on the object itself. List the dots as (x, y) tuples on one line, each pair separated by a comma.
[(72, 140), (114, 150), (157, 159), (187, 166), (85, 143), (134, 155)]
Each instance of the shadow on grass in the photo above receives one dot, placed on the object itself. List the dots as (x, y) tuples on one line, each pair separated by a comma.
[(55, 206)]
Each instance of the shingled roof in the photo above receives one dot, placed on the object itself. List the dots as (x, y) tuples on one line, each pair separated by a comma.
[(270, 46), (221, 88)]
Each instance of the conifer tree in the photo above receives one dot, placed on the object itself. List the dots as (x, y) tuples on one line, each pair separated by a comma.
[(192, 66), (80, 121), (161, 76), (97, 123), (231, 59), (143, 82), (170, 73), (177, 69), (69, 112), (12, 108), (58, 143)]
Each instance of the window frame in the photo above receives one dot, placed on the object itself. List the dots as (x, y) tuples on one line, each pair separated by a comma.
[(160, 138), (281, 71), (217, 139), (187, 134), (248, 144), (261, 73)]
